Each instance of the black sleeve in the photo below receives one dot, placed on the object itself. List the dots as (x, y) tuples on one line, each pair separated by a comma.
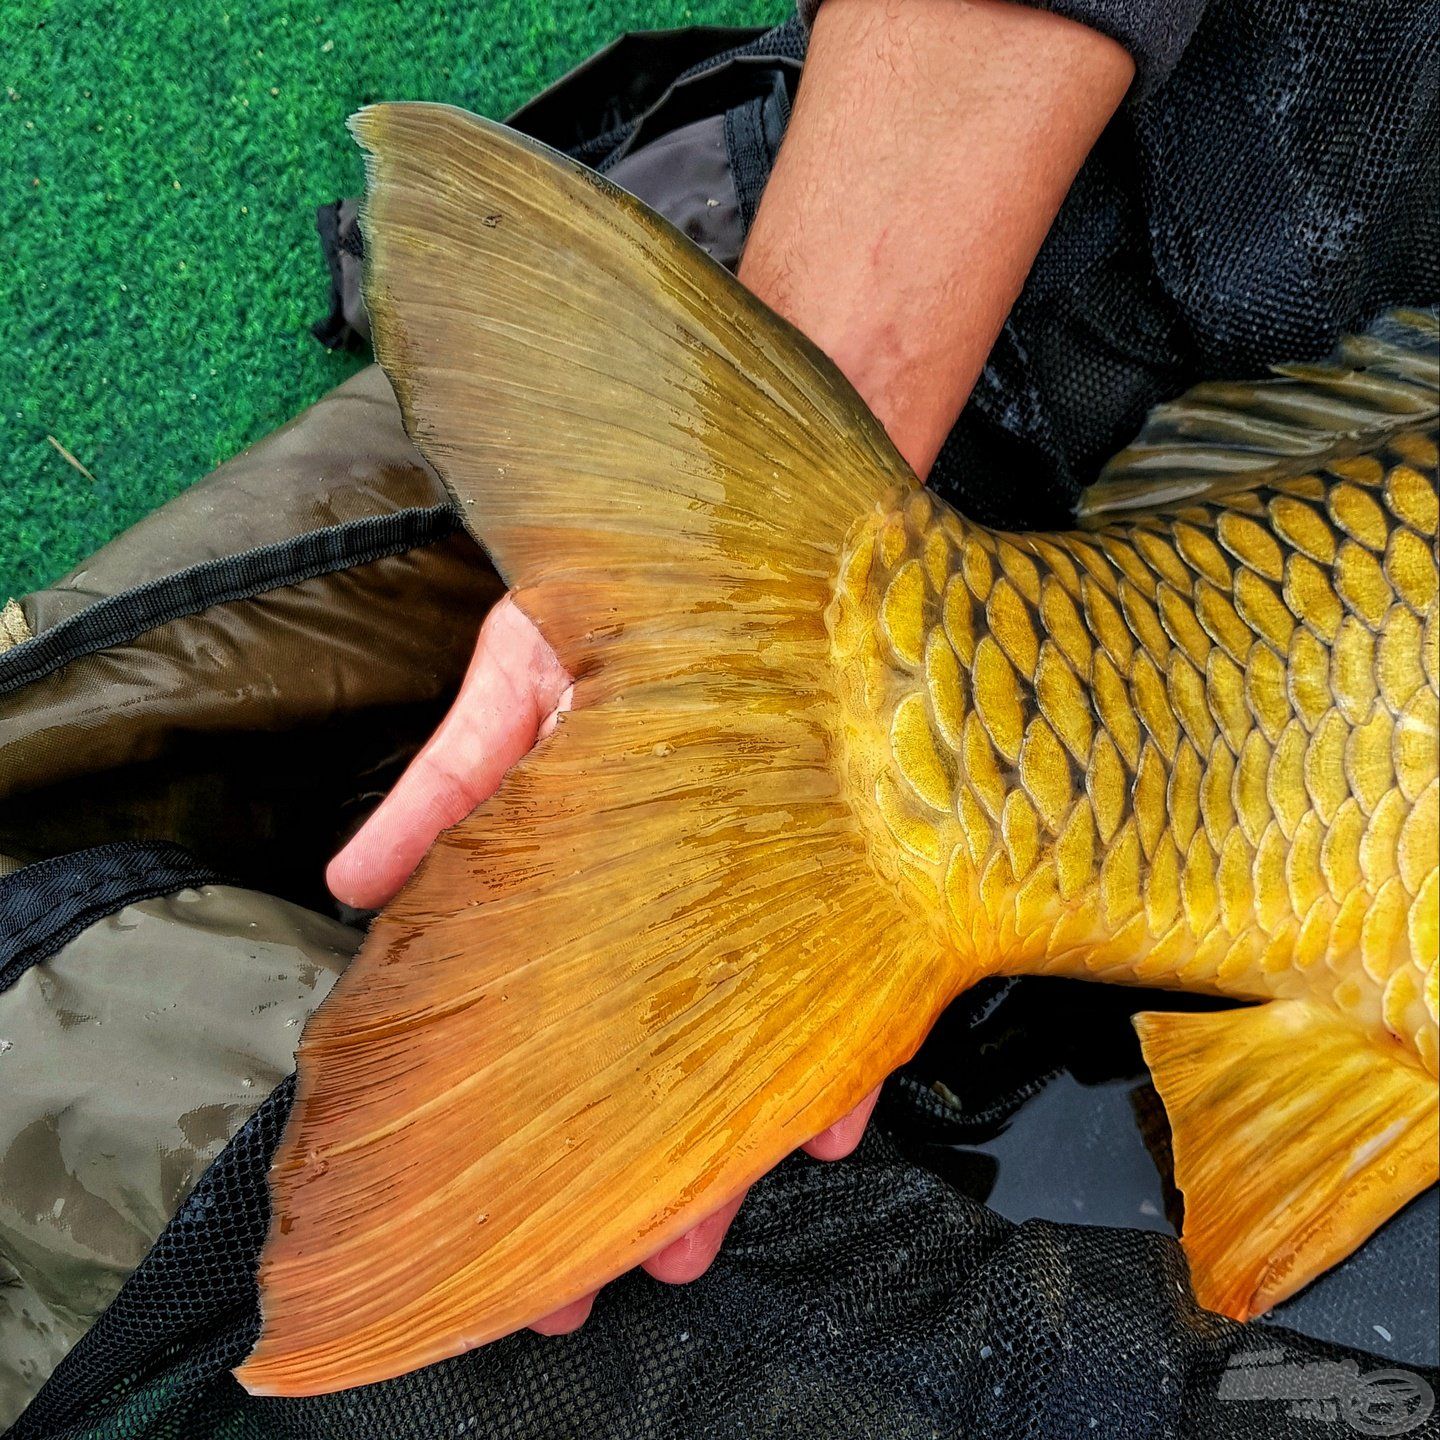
[(1155, 32)]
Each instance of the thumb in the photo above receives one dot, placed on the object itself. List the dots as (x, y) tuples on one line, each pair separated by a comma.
[(513, 684)]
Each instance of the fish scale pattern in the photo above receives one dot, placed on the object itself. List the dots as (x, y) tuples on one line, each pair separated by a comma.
[(1195, 748)]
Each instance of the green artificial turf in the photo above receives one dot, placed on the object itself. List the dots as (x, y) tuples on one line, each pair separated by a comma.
[(160, 165)]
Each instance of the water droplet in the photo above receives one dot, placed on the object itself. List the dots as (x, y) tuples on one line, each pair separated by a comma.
[(663, 749)]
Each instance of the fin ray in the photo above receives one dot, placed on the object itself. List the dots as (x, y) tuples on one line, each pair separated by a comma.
[(1225, 436)]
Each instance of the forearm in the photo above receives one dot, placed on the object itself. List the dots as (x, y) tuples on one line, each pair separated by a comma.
[(931, 146)]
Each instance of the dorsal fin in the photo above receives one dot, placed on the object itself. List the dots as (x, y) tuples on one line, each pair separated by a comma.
[(1225, 435)]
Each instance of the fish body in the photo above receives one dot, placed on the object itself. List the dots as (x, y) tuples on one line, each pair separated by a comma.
[(1191, 748), (835, 754)]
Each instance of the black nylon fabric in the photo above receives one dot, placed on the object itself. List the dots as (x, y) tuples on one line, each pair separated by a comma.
[(45, 905), (867, 1299)]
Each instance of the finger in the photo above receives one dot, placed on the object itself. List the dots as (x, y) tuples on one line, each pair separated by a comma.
[(844, 1135), (514, 681), (689, 1257), (567, 1317)]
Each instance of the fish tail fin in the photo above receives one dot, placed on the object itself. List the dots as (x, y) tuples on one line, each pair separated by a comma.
[(658, 959), (1295, 1136)]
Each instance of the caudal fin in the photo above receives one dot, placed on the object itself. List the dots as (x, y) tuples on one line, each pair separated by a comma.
[(658, 960)]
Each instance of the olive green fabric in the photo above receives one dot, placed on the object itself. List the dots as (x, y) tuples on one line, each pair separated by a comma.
[(128, 1060), (345, 457), (389, 632), (282, 714), (254, 732)]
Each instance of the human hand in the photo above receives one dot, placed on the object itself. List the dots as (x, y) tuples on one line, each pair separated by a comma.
[(512, 696)]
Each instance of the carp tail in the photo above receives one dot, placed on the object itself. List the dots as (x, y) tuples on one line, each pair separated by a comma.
[(658, 959)]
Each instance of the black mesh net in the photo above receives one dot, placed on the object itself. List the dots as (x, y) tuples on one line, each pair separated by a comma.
[(874, 1298), (1279, 190)]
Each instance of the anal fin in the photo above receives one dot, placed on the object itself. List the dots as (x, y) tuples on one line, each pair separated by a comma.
[(1295, 1136)]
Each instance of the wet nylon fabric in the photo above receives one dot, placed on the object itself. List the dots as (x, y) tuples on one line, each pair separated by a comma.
[(284, 705), (132, 1048), (328, 540), (47, 904), (272, 644)]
